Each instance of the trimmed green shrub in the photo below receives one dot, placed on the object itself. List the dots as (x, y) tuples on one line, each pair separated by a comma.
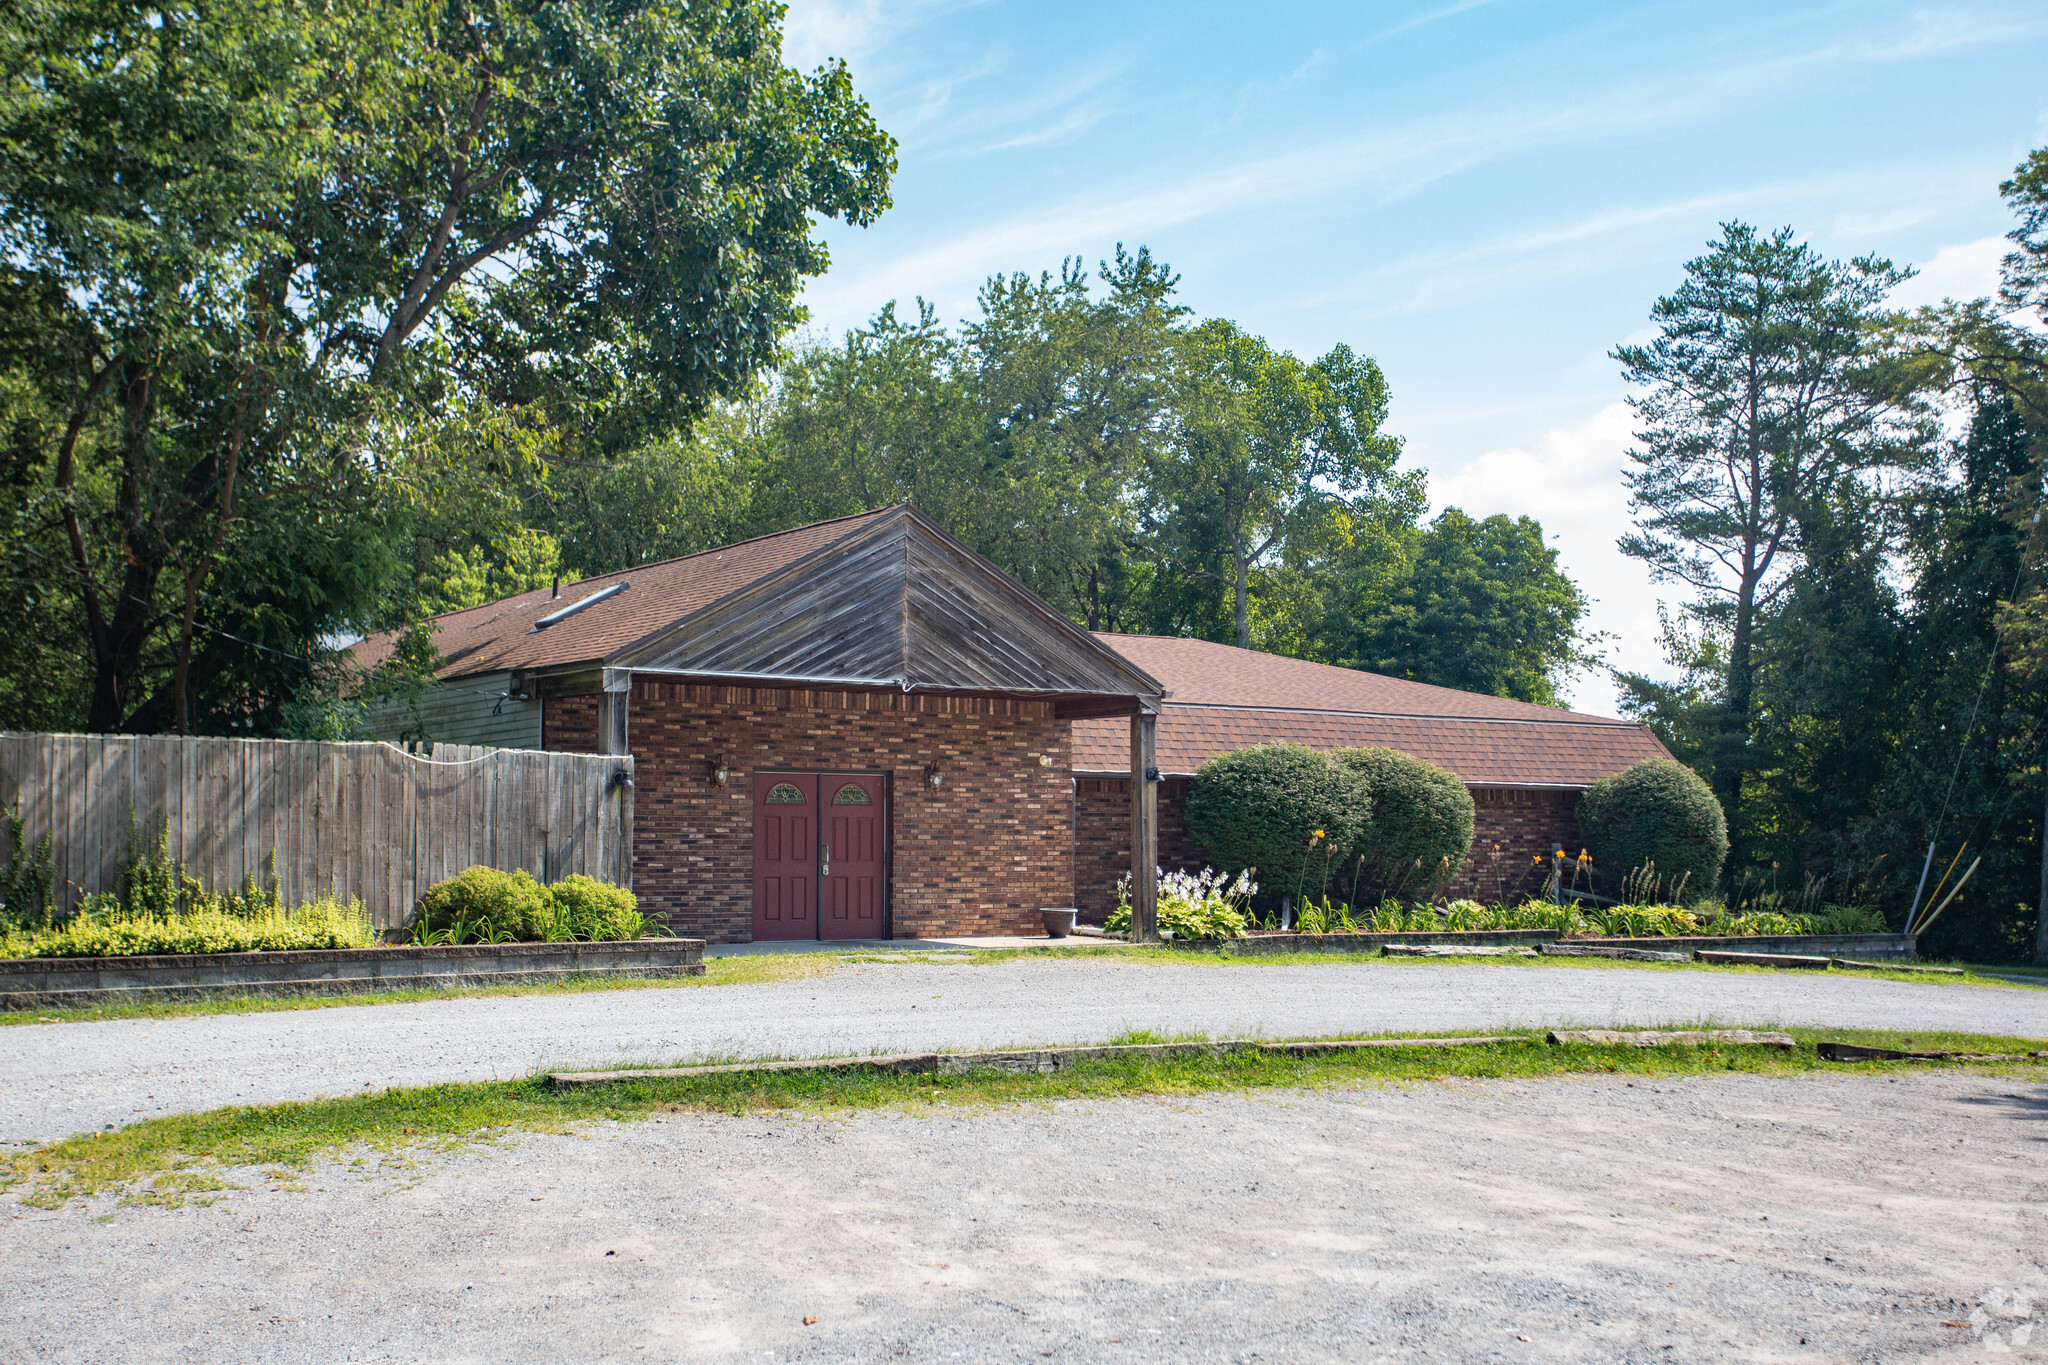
[(1659, 815), (512, 904), (1286, 810), (1419, 830), (485, 905), (103, 929), (586, 908)]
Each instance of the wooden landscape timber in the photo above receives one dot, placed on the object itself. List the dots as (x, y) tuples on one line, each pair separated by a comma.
[(1856, 1052), (1782, 961), (1739, 1037), (1043, 1061)]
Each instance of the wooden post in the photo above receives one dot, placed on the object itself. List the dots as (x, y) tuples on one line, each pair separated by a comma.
[(1144, 829), (611, 720)]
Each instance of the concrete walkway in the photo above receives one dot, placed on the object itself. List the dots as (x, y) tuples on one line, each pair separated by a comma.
[(57, 1079)]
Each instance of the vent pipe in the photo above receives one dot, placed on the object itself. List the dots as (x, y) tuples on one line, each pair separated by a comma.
[(601, 595)]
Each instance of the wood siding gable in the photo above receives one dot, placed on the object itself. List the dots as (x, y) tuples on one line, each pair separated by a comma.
[(899, 604)]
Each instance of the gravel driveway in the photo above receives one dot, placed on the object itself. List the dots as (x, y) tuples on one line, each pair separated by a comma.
[(1717, 1218), (59, 1079)]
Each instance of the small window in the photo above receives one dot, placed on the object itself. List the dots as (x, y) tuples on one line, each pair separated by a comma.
[(850, 795), (785, 794)]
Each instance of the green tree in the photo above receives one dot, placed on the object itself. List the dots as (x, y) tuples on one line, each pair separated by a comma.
[(1656, 818), (256, 254), (1024, 435), (1261, 446), (677, 495), (1072, 387), (1480, 606), (1755, 406)]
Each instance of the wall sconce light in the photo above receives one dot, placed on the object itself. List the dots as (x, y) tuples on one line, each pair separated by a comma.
[(721, 773), (1045, 760), (932, 776)]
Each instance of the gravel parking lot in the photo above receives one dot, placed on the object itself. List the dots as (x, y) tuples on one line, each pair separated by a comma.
[(66, 1078), (1823, 1218)]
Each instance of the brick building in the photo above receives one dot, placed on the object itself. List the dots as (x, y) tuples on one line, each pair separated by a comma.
[(1525, 765), (861, 729)]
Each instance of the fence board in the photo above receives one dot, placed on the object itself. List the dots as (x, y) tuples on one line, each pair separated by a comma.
[(362, 820)]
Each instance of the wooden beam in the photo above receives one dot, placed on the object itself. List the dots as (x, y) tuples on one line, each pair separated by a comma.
[(611, 712), (1144, 829)]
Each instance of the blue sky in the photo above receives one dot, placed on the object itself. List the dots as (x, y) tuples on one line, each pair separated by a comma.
[(1485, 195)]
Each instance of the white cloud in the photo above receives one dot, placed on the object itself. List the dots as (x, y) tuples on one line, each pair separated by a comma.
[(1967, 271), (1570, 481), (816, 31)]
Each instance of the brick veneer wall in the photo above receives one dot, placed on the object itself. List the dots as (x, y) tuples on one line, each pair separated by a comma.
[(1524, 822), (569, 724), (1102, 839), (982, 855)]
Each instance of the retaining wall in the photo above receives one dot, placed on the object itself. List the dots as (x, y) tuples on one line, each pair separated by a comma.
[(1870, 947), (1371, 943), (56, 982)]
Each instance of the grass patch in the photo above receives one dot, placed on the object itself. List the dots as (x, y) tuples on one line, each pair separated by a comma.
[(168, 1161)]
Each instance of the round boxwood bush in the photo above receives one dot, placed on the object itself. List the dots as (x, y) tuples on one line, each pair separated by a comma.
[(1420, 829), (512, 902), (593, 909), (1660, 812), (1261, 807)]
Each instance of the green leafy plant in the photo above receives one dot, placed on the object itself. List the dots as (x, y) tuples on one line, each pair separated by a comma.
[(590, 909), (1259, 810), (1390, 917), (1850, 919), (478, 903), (1418, 827), (103, 929), (1193, 905), (158, 906), (1639, 921), (1660, 815), (26, 881), (487, 905)]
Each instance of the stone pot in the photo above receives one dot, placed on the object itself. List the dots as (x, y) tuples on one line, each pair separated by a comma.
[(1058, 922)]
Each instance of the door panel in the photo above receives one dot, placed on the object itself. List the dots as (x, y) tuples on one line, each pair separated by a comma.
[(851, 859), (785, 856)]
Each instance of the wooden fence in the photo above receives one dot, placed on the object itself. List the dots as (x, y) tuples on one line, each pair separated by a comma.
[(365, 820)]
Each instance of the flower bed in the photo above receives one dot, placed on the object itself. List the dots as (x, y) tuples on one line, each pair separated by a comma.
[(1209, 907)]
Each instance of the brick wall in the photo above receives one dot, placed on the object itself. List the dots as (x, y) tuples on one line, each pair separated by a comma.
[(982, 855), (569, 724), (1102, 839), (1524, 822)]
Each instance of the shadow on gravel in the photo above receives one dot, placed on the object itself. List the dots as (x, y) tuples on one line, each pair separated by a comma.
[(2031, 1108)]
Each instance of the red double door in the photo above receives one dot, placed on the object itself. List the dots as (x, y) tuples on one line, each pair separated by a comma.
[(817, 855)]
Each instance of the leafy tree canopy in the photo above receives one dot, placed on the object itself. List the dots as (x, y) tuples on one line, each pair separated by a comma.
[(277, 274)]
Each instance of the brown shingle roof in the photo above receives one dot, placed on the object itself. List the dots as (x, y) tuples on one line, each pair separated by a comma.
[(1221, 698), (499, 635)]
